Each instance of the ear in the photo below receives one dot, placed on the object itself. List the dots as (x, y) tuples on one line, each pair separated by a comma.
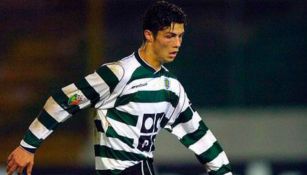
[(148, 35)]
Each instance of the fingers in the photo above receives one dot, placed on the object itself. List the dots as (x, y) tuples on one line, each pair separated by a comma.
[(9, 157), (11, 169), (20, 169), (10, 163), (29, 168), (13, 166)]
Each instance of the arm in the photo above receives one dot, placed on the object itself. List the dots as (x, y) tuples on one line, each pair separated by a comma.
[(195, 135), (60, 106)]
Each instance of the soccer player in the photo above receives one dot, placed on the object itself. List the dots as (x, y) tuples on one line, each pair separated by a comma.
[(135, 98)]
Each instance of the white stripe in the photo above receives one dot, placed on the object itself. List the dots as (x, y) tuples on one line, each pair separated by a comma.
[(179, 108), (142, 167), (98, 84), (55, 110), (117, 70), (117, 144), (139, 84), (204, 143), (228, 173), (218, 162), (71, 90), (39, 130), (102, 163), (148, 167), (124, 129), (190, 126), (151, 84), (24, 144), (133, 108)]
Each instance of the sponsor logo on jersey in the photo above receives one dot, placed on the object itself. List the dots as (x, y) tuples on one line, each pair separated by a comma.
[(75, 100), (139, 85)]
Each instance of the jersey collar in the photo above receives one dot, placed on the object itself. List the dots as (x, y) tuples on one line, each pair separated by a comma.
[(146, 65)]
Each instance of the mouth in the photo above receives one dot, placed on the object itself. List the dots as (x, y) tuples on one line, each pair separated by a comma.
[(173, 54)]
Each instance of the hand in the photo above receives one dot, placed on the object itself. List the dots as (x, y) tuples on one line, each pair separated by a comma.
[(18, 160)]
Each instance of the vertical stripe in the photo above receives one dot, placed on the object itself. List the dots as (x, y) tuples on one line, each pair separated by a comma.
[(142, 167), (148, 168), (98, 125)]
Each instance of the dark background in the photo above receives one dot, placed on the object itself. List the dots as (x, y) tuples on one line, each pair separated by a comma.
[(235, 54)]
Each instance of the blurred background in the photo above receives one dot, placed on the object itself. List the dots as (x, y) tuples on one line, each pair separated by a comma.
[(243, 64)]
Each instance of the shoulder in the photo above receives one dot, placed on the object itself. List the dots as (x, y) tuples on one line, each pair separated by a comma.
[(119, 68)]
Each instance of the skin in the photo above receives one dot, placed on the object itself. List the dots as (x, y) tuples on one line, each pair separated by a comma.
[(162, 48), (19, 160), (156, 51)]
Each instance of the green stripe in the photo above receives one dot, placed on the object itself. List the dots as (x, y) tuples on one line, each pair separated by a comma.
[(61, 98), (210, 154), (88, 91), (122, 117), (108, 76), (139, 73), (192, 138), (104, 151), (112, 133), (47, 120), (149, 97), (183, 117), (31, 139), (223, 170)]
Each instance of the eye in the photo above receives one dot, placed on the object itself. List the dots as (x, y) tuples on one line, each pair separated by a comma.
[(168, 36)]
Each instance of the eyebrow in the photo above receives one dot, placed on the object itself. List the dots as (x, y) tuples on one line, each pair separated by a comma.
[(174, 33)]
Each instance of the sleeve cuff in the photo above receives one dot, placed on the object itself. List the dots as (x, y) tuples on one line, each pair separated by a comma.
[(27, 147)]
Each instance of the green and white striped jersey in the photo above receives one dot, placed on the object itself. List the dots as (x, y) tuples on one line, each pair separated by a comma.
[(133, 102)]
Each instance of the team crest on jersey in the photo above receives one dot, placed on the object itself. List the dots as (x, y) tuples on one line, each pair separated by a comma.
[(75, 100), (166, 83)]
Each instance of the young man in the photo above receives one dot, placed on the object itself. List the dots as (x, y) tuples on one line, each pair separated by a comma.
[(135, 98)]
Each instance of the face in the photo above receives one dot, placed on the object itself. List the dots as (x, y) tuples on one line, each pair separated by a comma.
[(165, 45)]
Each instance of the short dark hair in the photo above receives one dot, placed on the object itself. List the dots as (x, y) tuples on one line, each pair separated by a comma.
[(162, 14)]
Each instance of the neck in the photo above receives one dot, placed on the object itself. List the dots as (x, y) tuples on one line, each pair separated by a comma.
[(149, 57)]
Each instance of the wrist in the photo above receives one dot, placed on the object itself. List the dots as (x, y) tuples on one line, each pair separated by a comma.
[(29, 150)]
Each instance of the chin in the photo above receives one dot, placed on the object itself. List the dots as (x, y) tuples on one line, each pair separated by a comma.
[(169, 60)]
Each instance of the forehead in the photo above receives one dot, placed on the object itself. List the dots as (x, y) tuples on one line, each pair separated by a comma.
[(176, 28)]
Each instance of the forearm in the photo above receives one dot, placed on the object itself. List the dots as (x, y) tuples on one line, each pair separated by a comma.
[(47, 121)]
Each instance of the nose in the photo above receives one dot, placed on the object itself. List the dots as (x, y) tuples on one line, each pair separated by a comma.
[(178, 41)]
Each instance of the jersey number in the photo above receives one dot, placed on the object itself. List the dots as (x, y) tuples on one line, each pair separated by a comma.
[(150, 126)]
